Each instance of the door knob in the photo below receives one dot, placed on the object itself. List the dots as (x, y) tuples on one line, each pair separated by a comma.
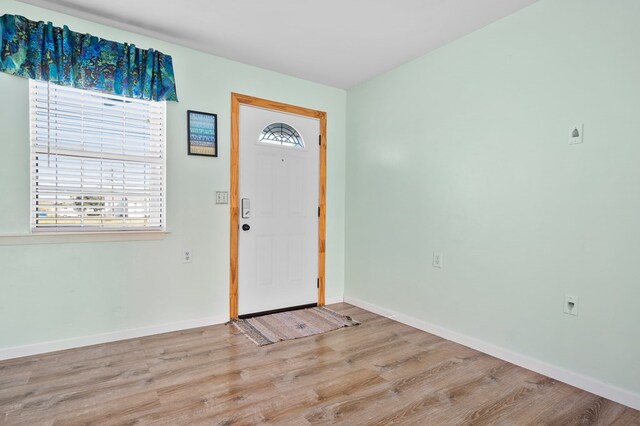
[(245, 227)]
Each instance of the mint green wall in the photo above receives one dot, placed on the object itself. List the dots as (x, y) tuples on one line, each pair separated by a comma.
[(58, 291), (465, 151)]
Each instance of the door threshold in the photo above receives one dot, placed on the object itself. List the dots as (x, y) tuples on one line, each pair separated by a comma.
[(277, 311)]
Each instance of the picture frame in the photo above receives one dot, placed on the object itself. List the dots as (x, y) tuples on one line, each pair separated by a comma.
[(202, 133)]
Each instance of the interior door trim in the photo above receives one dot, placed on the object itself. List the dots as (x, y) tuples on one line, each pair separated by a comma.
[(237, 100)]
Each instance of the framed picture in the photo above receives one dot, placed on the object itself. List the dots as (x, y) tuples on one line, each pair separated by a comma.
[(202, 133)]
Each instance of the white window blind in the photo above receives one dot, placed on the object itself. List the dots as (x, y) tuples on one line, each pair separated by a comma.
[(97, 161)]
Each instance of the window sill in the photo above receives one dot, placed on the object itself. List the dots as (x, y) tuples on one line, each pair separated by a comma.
[(79, 237)]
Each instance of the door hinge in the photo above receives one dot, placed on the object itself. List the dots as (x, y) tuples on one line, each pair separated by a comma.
[(320, 140), (318, 283), (318, 211)]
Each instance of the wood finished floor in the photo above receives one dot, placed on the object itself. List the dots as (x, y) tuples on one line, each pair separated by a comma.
[(381, 372)]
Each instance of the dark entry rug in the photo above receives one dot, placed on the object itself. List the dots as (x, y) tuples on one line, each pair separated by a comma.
[(268, 329)]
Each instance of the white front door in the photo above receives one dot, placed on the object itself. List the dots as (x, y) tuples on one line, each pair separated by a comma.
[(278, 189)]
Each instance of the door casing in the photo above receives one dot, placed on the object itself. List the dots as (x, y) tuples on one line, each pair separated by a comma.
[(237, 100)]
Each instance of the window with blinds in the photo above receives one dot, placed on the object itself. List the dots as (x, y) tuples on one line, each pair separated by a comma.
[(97, 161)]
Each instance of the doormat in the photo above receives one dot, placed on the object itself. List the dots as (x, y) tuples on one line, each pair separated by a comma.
[(268, 329)]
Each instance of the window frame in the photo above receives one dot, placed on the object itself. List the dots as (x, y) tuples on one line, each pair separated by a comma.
[(302, 146), (109, 232)]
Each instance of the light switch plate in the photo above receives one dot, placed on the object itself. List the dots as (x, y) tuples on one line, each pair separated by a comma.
[(222, 197)]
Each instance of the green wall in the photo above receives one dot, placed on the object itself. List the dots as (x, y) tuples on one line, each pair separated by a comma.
[(61, 291), (465, 151)]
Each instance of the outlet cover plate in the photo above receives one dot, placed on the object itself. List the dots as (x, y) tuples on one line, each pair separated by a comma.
[(579, 130), (187, 256), (437, 259)]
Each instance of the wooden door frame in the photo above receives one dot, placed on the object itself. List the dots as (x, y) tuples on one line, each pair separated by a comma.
[(237, 100)]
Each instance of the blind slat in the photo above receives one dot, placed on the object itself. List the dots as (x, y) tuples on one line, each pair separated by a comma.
[(90, 98)]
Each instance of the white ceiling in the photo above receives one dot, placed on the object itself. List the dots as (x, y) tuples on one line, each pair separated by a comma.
[(340, 43)]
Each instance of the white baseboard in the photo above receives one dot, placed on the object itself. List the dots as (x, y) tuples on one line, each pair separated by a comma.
[(334, 299), (588, 384), (77, 342)]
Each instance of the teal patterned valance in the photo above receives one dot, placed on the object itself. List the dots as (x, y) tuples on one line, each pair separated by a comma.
[(40, 51)]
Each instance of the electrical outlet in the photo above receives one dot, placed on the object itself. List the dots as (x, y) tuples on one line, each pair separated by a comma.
[(570, 304), (187, 256), (437, 259), (222, 197), (577, 134)]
